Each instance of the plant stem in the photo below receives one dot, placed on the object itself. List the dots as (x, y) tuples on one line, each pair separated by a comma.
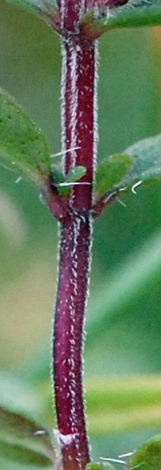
[(78, 131), (73, 279)]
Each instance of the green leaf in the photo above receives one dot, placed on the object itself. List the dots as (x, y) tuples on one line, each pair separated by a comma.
[(21, 438), (110, 172), (75, 174), (143, 160), (148, 456), (146, 158), (22, 145), (138, 13)]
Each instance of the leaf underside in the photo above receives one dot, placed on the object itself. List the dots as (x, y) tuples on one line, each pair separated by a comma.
[(22, 144), (146, 161)]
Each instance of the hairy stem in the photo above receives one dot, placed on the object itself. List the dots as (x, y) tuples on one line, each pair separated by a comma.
[(79, 135), (78, 115), (72, 289)]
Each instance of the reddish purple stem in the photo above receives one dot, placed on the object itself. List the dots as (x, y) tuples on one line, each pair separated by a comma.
[(79, 135), (70, 307), (78, 123), (79, 116)]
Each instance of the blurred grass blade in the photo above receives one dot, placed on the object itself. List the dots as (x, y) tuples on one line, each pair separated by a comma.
[(22, 145), (128, 281), (20, 432), (123, 405), (138, 13)]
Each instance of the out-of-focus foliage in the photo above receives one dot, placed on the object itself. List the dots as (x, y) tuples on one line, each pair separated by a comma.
[(124, 313), (23, 441)]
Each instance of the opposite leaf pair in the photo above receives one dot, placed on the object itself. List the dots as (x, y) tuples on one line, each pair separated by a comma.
[(135, 13), (23, 147)]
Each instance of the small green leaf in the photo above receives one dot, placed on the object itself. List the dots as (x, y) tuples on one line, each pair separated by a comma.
[(110, 172), (146, 158), (24, 437), (148, 457), (75, 174), (139, 163), (64, 183), (22, 145)]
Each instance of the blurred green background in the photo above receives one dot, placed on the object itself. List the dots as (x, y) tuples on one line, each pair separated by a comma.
[(123, 346)]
